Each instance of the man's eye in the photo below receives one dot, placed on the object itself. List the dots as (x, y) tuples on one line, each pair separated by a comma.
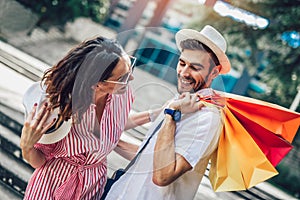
[(196, 68), (182, 63)]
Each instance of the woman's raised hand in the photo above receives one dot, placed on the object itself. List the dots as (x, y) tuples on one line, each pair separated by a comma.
[(35, 126)]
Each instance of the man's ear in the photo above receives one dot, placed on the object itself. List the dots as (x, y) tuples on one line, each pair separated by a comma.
[(216, 71)]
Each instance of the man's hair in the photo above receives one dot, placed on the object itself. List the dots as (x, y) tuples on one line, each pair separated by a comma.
[(193, 44), (69, 83)]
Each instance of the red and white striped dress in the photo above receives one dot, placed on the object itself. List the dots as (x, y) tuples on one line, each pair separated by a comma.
[(76, 165)]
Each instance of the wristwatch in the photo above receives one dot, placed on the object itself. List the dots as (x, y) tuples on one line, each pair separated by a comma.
[(176, 114)]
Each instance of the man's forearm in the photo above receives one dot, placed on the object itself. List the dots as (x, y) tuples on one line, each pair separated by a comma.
[(164, 163)]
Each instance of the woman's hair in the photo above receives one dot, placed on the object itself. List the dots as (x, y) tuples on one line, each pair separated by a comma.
[(69, 83), (193, 44)]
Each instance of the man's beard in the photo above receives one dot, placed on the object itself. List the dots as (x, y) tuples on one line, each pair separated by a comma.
[(200, 86)]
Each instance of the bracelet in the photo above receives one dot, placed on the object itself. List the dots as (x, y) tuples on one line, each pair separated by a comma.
[(151, 115)]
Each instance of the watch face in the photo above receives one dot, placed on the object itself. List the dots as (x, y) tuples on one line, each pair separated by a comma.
[(177, 115)]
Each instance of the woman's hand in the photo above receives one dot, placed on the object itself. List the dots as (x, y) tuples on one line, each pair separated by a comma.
[(34, 127), (187, 103)]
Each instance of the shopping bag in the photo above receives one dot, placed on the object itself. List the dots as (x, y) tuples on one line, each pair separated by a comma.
[(238, 163), (272, 145), (275, 118)]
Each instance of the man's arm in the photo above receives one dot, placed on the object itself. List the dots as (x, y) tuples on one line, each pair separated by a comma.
[(167, 164)]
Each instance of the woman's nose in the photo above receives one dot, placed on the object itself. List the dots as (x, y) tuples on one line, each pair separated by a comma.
[(131, 77)]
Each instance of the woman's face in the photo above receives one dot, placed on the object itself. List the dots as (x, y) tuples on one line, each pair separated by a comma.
[(120, 77)]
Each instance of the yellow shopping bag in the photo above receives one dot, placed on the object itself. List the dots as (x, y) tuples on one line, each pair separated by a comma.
[(238, 163)]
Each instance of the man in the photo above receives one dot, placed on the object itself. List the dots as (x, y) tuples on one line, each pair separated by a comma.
[(174, 161)]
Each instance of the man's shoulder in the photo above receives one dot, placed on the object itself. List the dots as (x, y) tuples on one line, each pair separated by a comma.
[(204, 116), (206, 110)]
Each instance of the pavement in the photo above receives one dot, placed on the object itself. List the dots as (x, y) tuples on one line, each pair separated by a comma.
[(43, 49)]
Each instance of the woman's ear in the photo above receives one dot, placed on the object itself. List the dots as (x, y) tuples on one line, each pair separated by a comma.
[(96, 86)]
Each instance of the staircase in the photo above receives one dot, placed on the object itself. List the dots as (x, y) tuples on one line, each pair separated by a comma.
[(14, 171)]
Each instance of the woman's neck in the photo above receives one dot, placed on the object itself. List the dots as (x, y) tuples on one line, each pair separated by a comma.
[(100, 102)]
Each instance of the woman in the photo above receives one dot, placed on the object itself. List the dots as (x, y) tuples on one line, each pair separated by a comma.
[(89, 86)]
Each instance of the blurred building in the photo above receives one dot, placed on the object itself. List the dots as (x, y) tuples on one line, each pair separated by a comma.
[(155, 47)]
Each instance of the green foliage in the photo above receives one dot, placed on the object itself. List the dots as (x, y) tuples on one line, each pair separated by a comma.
[(58, 12), (288, 175)]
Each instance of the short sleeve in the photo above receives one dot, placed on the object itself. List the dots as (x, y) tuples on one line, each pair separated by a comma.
[(46, 149), (197, 134)]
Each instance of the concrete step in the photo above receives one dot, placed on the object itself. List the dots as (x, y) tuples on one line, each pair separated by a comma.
[(14, 173), (12, 113), (7, 193), (10, 150)]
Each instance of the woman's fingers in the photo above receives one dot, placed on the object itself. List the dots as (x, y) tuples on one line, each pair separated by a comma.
[(48, 126), (31, 114), (37, 119), (45, 127), (42, 127)]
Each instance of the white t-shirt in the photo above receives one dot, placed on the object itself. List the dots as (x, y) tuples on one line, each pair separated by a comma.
[(196, 138)]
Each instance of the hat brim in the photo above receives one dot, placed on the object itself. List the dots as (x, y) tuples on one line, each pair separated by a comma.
[(185, 34), (58, 134), (36, 94)]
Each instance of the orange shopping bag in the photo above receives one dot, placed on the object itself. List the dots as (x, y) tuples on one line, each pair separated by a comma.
[(272, 145), (238, 163), (272, 117), (256, 136)]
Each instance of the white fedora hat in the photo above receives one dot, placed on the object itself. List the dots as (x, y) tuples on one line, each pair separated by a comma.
[(211, 38), (36, 94)]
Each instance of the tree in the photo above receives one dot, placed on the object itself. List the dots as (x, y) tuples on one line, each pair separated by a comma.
[(58, 12)]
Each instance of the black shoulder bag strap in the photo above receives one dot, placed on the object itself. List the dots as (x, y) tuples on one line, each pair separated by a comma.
[(143, 147), (120, 172)]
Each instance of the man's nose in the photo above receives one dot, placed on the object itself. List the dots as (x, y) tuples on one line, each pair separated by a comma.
[(184, 70)]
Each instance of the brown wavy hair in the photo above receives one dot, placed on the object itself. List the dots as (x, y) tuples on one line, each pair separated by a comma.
[(69, 83)]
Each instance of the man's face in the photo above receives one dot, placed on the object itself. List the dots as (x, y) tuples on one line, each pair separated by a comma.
[(193, 71)]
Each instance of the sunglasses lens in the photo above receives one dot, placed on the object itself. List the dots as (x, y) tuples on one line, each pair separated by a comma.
[(124, 78)]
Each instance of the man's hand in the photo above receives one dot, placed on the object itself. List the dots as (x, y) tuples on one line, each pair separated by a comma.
[(187, 103)]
